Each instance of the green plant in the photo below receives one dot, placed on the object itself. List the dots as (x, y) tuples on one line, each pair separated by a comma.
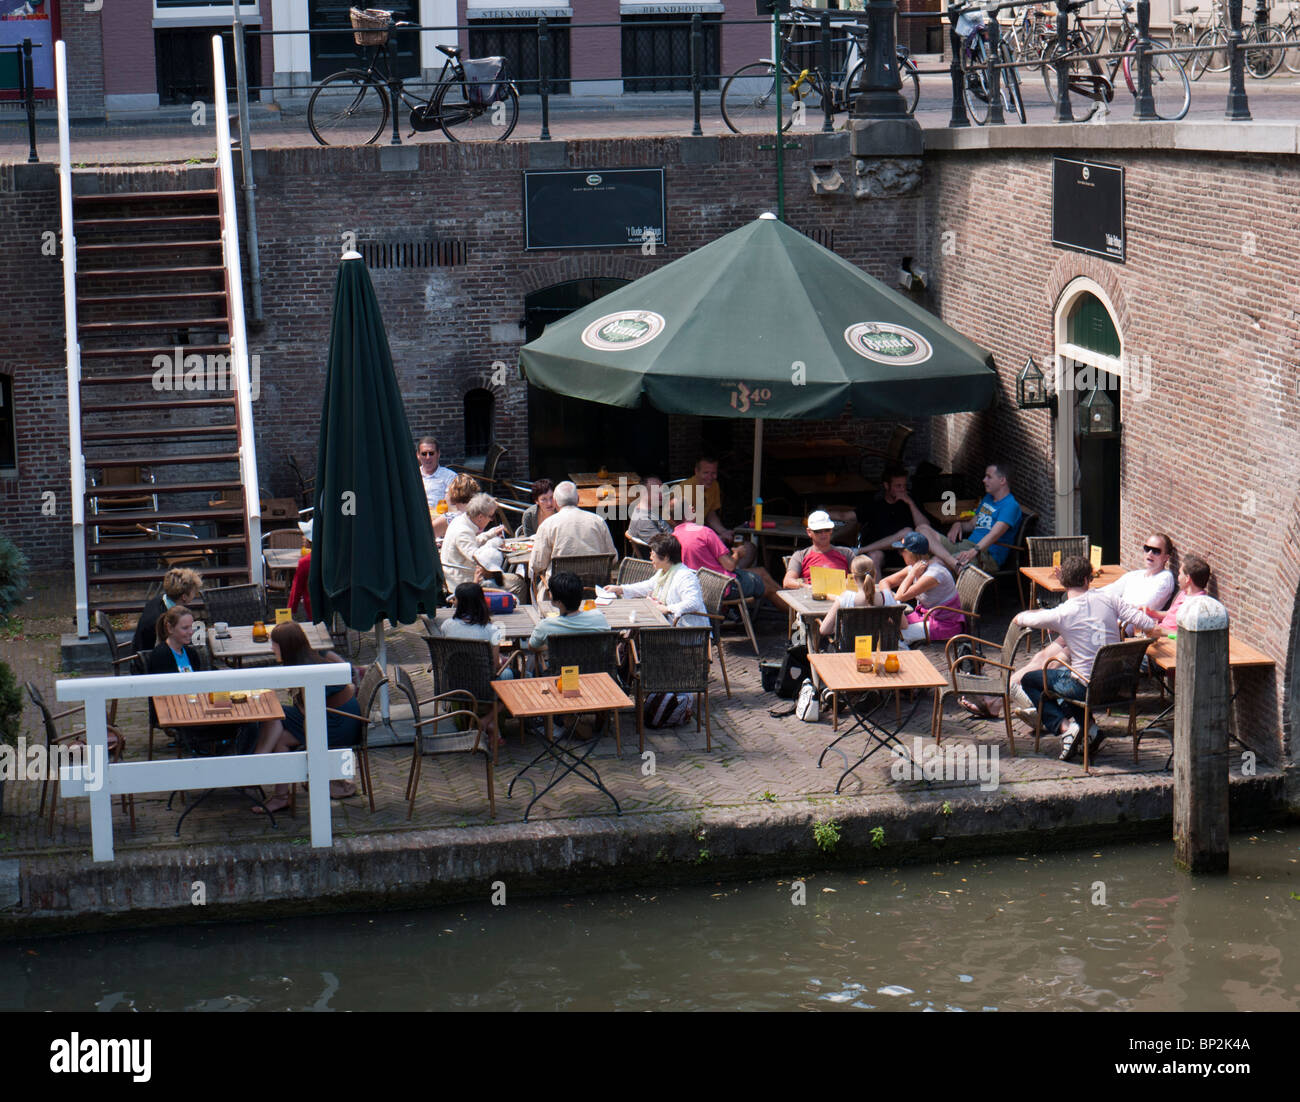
[(826, 833), (768, 797), (13, 575), (704, 855), (878, 837), (11, 706), (946, 809)]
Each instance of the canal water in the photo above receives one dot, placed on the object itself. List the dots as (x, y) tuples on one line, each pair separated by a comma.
[(1111, 929)]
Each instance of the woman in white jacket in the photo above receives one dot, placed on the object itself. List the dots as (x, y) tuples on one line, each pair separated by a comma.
[(674, 588)]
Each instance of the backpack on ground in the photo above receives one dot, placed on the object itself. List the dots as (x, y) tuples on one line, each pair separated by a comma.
[(667, 709), (794, 668)]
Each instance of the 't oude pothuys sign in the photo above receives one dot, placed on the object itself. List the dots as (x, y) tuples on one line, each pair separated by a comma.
[(1088, 207), (594, 208)]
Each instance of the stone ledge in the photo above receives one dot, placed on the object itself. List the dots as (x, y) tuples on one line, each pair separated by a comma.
[(1210, 137)]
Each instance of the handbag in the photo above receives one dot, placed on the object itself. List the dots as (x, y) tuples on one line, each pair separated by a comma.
[(808, 707), (667, 709)]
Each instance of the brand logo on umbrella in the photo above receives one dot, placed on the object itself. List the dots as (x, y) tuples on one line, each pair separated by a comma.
[(887, 343), (743, 397), (619, 332)]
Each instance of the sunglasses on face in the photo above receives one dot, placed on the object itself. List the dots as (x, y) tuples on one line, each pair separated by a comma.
[(1152, 550), (427, 455)]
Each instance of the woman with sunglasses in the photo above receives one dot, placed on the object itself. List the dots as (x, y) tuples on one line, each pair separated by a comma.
[(1153, 584)]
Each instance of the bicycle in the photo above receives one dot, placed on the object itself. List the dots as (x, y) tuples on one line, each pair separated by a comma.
[(749, 96), (352, 107), (1289, 29), (1027, 37), (1259, 63), (1170, 91), (1184, 34), (972, 28)]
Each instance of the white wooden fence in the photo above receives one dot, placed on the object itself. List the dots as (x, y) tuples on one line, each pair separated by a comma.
[(316, 764)]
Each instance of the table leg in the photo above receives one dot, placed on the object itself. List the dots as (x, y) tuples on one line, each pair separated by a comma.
[(566, 762), (883, 738)]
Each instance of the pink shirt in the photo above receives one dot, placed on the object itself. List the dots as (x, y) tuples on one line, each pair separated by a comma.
[(1170, 622), (701, 547)]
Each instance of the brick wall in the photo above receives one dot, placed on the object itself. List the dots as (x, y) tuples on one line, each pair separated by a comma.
[(129, 67), (82, 34)]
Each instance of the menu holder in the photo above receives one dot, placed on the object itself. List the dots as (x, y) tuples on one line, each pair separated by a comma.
[(569, 684), (862, 652), (1056, 558), (1094, 556), (283, 616), (220, 700)]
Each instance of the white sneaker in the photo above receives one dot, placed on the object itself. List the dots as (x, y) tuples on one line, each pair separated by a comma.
[(1069, 740)]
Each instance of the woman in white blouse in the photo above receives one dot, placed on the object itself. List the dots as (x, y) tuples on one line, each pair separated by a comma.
[(674, 588)]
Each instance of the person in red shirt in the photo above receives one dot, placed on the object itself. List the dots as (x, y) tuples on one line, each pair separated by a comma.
[(703, 548), (298, 590), (799, 573)]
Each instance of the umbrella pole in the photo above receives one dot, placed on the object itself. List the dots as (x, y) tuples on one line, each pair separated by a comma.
[(758, 463), (383, 665)]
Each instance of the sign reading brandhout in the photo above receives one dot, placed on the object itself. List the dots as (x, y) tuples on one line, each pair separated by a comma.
[(594, 209), (1088, 208)]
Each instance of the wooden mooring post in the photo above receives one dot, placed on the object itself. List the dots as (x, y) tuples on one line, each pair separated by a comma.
[(1201, 703)]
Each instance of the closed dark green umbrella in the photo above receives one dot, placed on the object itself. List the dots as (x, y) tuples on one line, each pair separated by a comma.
[(373, 554), (762, 322)]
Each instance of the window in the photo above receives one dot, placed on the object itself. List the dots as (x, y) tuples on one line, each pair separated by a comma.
[(516, 41), (657, 53), (183, 60), (8, 427), (478, 421)]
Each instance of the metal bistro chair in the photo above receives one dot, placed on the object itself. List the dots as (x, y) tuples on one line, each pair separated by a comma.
[(238, 605), (462, 670), (712, 586), (672, 660), (1016, 541), (75, 737), (591, 652), (367, 694), (120, 654), (975, 674), (631, 571), (1116, 671), (438, 742), (594, 570)]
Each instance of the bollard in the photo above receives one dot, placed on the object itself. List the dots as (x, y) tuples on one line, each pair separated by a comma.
[(994, 75), (28, 86), (1238, 108), (544, 76), (959, 116), (828, 106), (697, 53), (1063, 111), (1144, 105), (1201, 704)]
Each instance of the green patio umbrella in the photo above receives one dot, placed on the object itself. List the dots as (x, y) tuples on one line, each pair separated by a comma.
[(373, 550), (762, 322)]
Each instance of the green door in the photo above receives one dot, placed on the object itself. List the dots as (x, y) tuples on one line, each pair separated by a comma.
[(1089, 326)]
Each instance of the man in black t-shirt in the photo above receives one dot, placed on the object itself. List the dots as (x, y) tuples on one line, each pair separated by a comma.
[(887, 519)]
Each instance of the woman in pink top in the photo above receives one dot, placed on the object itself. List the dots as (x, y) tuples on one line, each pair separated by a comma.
[(1193, 578)]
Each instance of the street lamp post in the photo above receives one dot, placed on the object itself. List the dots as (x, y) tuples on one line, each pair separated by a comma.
[(879, 123)]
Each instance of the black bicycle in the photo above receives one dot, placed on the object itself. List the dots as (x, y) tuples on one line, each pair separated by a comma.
[(473, 99)]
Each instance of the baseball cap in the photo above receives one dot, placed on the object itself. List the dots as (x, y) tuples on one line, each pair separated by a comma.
[(306, 527), (820, 520), (915, 543)]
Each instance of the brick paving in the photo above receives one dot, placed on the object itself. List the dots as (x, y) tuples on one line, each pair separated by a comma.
[(756, 760)]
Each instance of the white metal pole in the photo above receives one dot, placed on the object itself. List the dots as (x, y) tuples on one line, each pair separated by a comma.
[(238, 335), (76, 461)]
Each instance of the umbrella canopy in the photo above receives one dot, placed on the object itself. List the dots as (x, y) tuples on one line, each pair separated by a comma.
[(373, 550), (762, 322)]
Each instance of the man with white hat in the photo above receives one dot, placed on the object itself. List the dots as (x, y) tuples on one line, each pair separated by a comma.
[(799, 573)]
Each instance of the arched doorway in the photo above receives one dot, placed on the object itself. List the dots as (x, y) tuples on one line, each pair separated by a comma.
[(569, 434), (1089, 359)]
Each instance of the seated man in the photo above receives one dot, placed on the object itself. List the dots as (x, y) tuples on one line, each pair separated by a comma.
[(646, 520), (885, 520), (436, 477), (566, 594), (799, 573), (704, 484), (702, 548), (571, 531), (466, 534), (986, 537), (1087, 620)]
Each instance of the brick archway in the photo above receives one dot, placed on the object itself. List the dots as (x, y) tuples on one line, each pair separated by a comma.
[(1073, 266), (566, 269)]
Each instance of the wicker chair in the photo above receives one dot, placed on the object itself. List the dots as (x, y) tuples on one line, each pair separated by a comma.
[(1116, 671), (594, 570), (436, 742), (672, 660), (367, 694), (631, 571), (739, 602), (462, 670), (239, 605), (487, 474), (75, 737), (883, 624), (975, 674), (1039, 551), (712, 586), (591, 652)]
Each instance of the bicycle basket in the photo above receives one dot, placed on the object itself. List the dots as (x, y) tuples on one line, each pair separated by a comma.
[(485, 79), (370, 27)]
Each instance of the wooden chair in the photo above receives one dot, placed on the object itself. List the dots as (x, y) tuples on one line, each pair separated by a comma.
[(436, 742), (974, 674), (594, 570), (672, 660), (278, 581), (103, 508), (75, 737), (631, 571), (238, 605), (712, 586), (1116, 671), (591, 652)]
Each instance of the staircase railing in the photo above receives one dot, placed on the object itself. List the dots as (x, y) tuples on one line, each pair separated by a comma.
[(76, 460), (235, 293)]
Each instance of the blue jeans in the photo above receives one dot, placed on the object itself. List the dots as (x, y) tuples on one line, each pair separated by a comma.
[(1062, 683)]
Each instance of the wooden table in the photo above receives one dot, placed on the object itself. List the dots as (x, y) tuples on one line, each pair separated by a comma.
[(529, 697), (619, 613), (812, 485), (801, 602), (615, 497), (777, 526), (1044, 577), (240, 643), (592, 478), (839, 673), (943, 521), (516, 625)]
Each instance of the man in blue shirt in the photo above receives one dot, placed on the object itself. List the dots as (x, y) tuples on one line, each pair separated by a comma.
[(986, 537), (566, 592)]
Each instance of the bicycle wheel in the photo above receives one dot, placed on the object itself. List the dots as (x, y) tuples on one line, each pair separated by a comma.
[(975, 83), (749, 100), (909, 89), (1170, 92), (1011, 97), (462, 120), (1215, 59), (1182, 39), (1292, 59), (1263, 62), (347, 108)]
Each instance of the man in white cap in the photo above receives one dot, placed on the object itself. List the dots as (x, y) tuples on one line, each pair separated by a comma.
[(799, 573)]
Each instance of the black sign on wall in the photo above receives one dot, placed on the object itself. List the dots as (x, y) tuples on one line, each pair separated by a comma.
[(1088, 208), (594, 208)]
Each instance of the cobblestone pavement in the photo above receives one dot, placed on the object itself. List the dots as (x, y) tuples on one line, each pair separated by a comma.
[(756, 759), (147, 139)]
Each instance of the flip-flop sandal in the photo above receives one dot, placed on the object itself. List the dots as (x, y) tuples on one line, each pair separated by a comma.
[(261, 809), (979, 711)]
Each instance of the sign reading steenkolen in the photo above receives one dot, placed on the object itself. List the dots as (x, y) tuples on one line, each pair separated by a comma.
[(594, 208), (1088, 208)]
